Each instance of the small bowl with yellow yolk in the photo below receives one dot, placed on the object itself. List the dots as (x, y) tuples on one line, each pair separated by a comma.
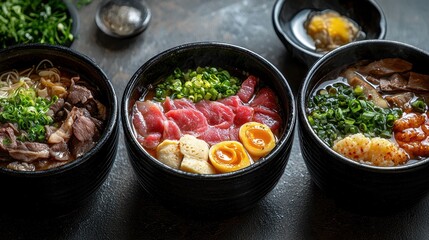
[(310, 29)]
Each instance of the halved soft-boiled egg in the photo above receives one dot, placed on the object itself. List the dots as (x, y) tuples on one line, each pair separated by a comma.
[(257, 138), (229, 156)]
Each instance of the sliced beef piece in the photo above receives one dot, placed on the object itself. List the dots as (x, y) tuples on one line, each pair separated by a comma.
[(7, 138), (49, 130), (418, 82), (78, 148), (373, 80), (84, 128), (393, 83), (57, 106), (96, 109), (401, 100), (356, 79), (68, 106), (48, 164), (21, 166), (29, 151), (79, 95), (64, 133), (385, 67), (60, 151)]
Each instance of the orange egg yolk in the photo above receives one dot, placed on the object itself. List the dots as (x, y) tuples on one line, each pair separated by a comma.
[(228, 156), (257, 138)]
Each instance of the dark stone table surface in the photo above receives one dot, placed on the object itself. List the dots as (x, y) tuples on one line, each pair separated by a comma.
[(295, 209)]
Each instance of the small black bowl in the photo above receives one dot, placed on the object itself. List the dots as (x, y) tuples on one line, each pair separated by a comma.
[(200, 194), (367, 14), (62, 189), (355, 185)]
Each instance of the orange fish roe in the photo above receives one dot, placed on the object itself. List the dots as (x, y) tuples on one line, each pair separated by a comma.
[(375, 151)]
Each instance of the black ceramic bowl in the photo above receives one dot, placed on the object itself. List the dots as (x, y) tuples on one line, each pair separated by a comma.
[(357, 185), (367, 14), (198, 194), (67, 186)]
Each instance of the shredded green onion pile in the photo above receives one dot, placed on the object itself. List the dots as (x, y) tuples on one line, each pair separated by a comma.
[(34, 21), (28, 111), (203, 83), (339, 110)]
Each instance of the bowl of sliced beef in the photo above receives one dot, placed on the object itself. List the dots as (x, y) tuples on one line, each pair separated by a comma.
[(208, 128), (363, 122), (58, 128)]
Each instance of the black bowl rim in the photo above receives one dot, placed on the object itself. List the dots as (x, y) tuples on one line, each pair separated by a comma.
[(111, 123), (74, 14), (302, 105), (278, 6), (207, 44)]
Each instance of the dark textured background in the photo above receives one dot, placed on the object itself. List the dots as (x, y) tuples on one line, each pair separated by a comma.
[(295, 209)]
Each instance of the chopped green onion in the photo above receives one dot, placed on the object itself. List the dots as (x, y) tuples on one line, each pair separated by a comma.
[(347, 111), (28, 111), (207, 83)]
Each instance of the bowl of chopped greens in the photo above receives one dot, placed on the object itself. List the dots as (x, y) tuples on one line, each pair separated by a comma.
[(38, 21), (363, 125), (208, 127)]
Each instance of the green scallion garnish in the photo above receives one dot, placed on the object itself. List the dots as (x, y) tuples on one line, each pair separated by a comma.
[(207, 83), (346, 111)]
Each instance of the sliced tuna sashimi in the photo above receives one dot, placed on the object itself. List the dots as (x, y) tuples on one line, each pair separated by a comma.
[(183, 103), (267, 117), (265, 98), (247, 88), (152, 115), (171, 131), (218, 114), (150, 141), (233, 134), (243, 115), (214, 135), (190, 121), (232, 101)]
